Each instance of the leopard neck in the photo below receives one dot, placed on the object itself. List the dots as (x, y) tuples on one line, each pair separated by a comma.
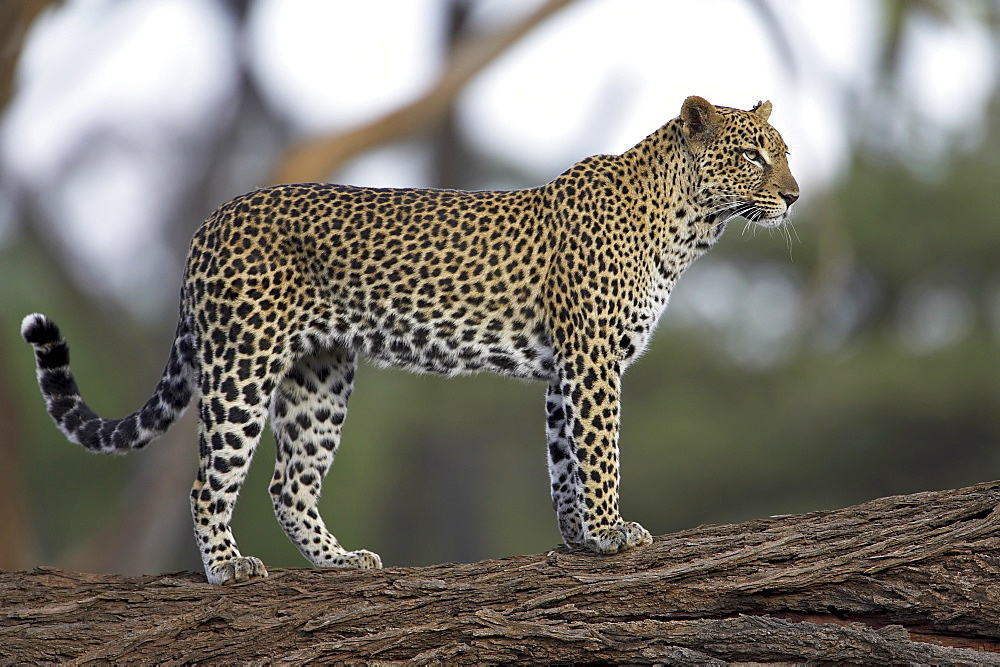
[(670, 182)]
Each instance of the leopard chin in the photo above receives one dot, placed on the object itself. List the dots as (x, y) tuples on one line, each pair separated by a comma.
[(772, 221)]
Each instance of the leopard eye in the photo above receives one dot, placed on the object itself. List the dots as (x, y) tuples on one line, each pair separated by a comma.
[(753, 156)]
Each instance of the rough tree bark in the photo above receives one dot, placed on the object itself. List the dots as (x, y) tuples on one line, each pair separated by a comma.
[(900, 579)]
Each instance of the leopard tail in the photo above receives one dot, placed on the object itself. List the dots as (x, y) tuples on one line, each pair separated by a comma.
[(79, 422)]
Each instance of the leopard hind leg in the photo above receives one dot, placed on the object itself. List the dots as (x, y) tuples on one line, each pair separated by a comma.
[(308, 409), (232, 415)]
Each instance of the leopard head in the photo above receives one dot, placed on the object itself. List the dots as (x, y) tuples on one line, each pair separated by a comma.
[(742, 162)]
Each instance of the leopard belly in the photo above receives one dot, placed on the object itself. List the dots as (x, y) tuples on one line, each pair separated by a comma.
[(451, 345)]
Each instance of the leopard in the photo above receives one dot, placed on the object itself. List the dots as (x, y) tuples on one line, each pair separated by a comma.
[(285, 287)]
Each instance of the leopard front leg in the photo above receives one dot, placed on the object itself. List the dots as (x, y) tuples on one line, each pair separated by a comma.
[(582, 418)]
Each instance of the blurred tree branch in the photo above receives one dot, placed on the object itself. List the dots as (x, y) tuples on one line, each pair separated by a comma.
[(16, 18), (781, 42), (315, 159), (904, 579)]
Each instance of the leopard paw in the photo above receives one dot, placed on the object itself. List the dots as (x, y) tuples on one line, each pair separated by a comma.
[(361, 559), (611, 540), (237, 570)]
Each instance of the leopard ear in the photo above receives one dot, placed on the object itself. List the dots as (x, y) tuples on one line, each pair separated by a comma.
[(699, 122), (762, 109)]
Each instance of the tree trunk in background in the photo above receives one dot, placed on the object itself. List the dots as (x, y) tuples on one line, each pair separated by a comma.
[(899, 579), (15, 534), (16, 19)]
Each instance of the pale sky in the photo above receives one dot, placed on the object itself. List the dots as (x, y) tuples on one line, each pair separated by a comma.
[(596, 78)]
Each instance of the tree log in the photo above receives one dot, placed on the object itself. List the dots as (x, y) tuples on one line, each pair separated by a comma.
[(901, 579)]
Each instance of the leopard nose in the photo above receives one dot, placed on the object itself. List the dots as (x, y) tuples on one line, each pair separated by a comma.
[(790, 198)]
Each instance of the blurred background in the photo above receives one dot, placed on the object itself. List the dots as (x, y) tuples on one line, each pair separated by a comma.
[(855, 356)]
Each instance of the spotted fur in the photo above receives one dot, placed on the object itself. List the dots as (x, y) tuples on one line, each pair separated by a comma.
[(564, 283)]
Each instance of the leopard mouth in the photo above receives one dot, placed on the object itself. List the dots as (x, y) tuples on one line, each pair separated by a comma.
[(765, 215), (755, 214)]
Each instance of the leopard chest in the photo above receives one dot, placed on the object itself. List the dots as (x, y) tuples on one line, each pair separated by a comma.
[(645, 311)]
